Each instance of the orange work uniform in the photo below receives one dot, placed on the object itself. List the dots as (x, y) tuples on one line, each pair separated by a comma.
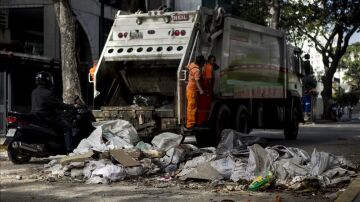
[(204, 103), (92, 72), (192, 94)]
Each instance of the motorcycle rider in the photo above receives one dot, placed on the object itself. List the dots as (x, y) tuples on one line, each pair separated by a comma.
[(49, 109)]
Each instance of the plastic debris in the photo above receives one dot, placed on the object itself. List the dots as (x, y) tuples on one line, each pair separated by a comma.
[(174, 156), (110, 173), (237, 157), (153, 153), (235, 143), (77, 173), (202, 172), (134, 171), (144, 146), (171, 170), (166, 141), (117, 133), (303, 182), (262, 182), (224, 166)]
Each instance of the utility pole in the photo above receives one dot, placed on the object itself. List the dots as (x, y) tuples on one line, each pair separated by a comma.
[(101, 27)]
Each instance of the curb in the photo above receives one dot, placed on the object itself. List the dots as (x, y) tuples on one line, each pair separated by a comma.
[(2, 140), (352, 192)]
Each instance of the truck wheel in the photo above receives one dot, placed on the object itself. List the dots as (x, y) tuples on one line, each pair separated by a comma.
[(292, 127), (242, 121), (15, 156), (222, 121)]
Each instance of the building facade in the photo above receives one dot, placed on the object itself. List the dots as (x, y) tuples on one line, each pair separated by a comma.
[(30, 42)]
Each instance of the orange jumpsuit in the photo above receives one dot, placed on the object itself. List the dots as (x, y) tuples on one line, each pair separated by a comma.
[(204, 103), (92, 72), (192, 94)]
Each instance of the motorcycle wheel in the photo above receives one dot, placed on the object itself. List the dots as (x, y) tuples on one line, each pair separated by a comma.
[(15, 156)]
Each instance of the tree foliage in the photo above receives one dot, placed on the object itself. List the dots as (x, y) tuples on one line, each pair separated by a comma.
[(351, 61), (256, 11), (328, 25), (348, 99)]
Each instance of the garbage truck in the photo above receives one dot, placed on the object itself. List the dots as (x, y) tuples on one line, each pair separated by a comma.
[(142, 73)]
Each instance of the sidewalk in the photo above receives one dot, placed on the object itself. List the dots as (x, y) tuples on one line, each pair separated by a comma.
[(352, 192), (2, 140)]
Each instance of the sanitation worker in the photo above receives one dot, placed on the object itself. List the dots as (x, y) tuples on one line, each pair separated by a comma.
[(193, 90), (92, 70), (207, 83)]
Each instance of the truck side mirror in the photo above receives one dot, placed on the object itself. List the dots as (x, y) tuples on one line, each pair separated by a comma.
[(299, 66)]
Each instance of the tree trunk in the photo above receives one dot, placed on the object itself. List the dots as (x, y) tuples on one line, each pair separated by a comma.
[(70, 77), (326, 95)]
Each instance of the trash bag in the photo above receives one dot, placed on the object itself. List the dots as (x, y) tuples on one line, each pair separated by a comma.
[(93, 142), (174, 156), (235, 143), (258, 161), (134, 171), (117, 133), (195, 162), (111, 173), (322, 161), (120, 128), (166, 141), (224, 166), (92, 165)]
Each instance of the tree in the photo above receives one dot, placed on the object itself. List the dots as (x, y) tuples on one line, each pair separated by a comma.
[(348, 99), (328, 25), (351, 60), (253, 11), (70, 77)]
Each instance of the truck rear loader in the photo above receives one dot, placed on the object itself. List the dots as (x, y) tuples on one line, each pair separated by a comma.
[(142, 73)]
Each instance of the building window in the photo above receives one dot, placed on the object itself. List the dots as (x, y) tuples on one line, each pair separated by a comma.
[(27, 30)]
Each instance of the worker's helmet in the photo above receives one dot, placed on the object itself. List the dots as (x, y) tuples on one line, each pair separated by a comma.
[(44, 78)]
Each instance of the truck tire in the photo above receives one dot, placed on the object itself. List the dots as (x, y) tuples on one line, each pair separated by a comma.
[(242, 120), (15, 156), (292, 126), (222, 121)]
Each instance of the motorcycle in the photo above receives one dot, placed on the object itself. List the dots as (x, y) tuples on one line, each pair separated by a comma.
[(27, 137)]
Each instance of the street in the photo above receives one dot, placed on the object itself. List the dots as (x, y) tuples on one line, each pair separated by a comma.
[(26, 182)]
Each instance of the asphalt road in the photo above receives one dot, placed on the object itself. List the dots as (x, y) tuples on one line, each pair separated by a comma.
[(338, 138)]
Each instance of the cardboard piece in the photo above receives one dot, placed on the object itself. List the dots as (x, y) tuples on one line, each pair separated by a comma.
[(134, 153), (123, 158), (76, 158)]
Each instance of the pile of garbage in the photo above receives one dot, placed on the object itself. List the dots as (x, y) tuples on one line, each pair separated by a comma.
[(114, 152)]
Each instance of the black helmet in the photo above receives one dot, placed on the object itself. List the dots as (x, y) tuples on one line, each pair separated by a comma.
[(44, 78)]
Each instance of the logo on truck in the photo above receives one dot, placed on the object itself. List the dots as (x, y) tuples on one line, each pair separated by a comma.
[(180, 17)]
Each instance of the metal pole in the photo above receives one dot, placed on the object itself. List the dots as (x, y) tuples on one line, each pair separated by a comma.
[(101, 27)]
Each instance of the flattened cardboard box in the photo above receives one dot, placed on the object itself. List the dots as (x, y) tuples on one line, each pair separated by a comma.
[(123, 158), (76, 158)]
